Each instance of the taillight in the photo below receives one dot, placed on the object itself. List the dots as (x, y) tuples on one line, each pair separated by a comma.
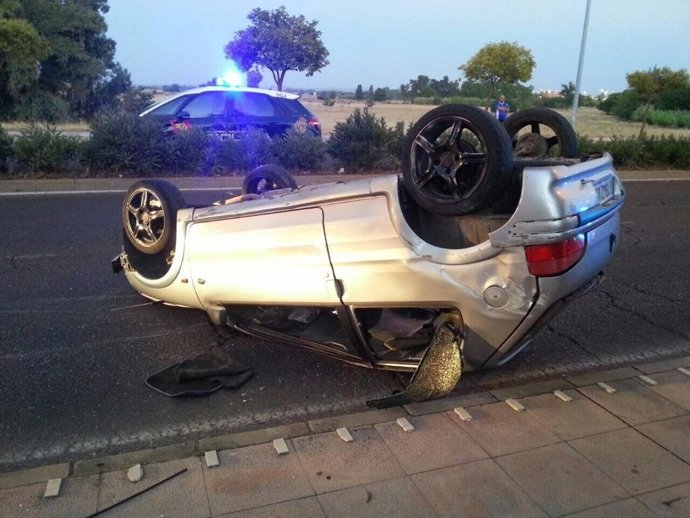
[(314, 123), (555, 258)]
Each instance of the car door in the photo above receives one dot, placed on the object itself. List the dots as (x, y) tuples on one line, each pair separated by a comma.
[(276, 258), (206, 111), (256, 110)]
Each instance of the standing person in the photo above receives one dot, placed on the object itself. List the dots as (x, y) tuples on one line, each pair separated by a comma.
[(502, 108)]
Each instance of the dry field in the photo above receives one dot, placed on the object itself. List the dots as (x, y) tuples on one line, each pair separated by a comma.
[(591, 122)]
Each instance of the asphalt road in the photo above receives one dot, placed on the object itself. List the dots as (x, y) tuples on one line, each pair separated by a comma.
[(76, 342)]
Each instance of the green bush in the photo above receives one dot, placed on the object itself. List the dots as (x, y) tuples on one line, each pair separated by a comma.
[(631, 152), (665, 118), (126, 144), (6, 150), (248, 151), (190, 151), (364, 141), (46, 150), (299, 151)]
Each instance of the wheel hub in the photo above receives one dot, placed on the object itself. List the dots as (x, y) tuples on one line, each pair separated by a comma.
[(449, 160)]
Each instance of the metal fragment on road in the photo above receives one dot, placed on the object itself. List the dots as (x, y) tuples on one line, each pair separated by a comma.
[(562, 396), (135, 473), (648, 380), (344, 434), (52, 488), (515, 404), (605, 386), (405, 424), (280, 446), (211, 459), (684, 371)]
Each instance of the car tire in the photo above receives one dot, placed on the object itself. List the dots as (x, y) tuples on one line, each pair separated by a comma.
[(149, 216), (456, 160), (539, 142), (267, 178)]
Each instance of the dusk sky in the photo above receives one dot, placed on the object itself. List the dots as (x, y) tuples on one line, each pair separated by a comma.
[(385, 43)]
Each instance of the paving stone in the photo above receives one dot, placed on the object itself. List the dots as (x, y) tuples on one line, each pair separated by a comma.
[(674, 386), (254, 476), (182, 496), (671, 502), (77, 498), (252, 438), (572, 419), (561, 480), (531, 389), (33, 475), (356, 420), (632, 460), (332, 464), (397, 497), (633, 402), (449, 403), (629, 508), (436, 442), (499, 430), (301, 508), (126, 460), (673, 434), (592, 378), (664, 365), (476, 489)]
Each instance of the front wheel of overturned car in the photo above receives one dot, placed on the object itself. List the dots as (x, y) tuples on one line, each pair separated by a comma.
[(541, 133), (149, 214), (267, 178), (456, 160)]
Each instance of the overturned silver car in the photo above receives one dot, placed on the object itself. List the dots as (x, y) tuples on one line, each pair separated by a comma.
[(453, 265)]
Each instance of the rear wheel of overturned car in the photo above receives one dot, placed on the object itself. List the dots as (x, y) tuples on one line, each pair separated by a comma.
[(541, 133), (456, 160), (149, 214), (267, 178)]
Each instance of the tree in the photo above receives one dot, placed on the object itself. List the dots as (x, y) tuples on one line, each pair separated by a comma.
[(359, 93), (280, 43), (254, 78), (72, 66), (445, 87), (497, 64), (648, 86), (21, 50)]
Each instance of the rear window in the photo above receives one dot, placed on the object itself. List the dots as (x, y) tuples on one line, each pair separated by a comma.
[(293, 107), (252, 105)]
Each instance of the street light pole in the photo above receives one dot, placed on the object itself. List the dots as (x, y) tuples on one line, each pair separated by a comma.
[(576, 97)]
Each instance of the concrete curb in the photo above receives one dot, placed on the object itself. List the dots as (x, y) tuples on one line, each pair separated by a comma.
[(242, 439)]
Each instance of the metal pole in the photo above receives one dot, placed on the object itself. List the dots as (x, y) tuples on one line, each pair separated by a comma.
[(576, 97)]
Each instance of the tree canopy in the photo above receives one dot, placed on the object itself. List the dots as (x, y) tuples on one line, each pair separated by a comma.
[(56, 61), (278, 42), (650, 85), (498, 64)]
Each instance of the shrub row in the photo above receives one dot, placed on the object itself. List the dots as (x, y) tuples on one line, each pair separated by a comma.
[(129, 146), (651, 152)]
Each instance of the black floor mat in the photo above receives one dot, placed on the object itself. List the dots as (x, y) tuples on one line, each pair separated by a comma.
[(200, 376)]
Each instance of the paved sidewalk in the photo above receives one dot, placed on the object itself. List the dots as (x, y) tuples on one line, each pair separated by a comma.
[(611, 443)]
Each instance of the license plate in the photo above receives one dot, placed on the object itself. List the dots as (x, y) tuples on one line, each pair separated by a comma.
[(604, 189)]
